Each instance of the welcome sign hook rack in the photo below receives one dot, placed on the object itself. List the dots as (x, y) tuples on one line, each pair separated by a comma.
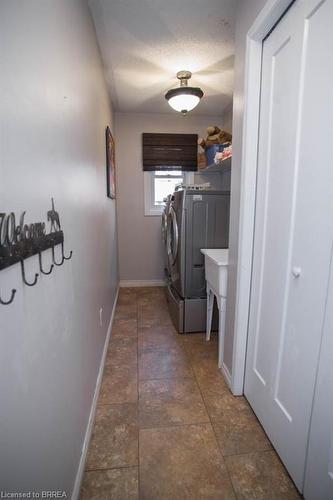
[(41, 265), (21, 241), (7, 302)]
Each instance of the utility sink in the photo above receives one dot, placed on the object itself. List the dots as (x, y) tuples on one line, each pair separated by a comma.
[(216, 266), (216, 269)]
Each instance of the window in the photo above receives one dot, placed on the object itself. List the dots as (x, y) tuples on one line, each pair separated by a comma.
[(159, 184)]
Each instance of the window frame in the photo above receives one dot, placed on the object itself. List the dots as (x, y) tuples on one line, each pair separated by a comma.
[(150, 209)]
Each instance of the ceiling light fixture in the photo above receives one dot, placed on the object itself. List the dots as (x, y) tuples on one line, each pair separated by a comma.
[(184, 98)]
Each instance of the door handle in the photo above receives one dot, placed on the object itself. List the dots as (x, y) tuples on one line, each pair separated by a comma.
[(297, 271)]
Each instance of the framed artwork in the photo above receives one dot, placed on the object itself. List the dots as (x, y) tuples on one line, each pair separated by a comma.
[(110, 165)]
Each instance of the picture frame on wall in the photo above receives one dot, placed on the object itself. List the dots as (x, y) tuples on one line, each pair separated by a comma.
[(110, 165)]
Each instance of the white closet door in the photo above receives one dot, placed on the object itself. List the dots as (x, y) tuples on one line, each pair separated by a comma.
[(319, 470), (293, 228)]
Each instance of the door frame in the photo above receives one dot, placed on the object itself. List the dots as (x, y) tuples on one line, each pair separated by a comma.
[(263, 24)]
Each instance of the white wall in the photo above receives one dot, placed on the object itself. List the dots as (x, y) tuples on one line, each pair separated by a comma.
[(140, 245), (54, 109), (247, 11)]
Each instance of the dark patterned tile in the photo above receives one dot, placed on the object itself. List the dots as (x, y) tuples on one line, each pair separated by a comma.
[(240, 432), (198, 351), (218, 404), (166, 363), (182, 463), (124, 328), (127, 296), (153, 316), (119, 384), (111, 484), (152, 298), (153, 309), (122, 342), (114, 441), (179, 456), (198, 338), (153, 293), (168, 402), (260, 476), (125, 291), (122, 351), (126, 312), (209, 376), (157, 337)]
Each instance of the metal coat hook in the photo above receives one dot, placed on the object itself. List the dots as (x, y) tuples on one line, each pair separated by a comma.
[(24, 277), (41, 265), (20, 241), (54, 261), (63, 254), (7, 302)]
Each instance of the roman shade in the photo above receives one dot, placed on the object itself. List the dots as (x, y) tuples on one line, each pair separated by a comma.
[(169, 152)]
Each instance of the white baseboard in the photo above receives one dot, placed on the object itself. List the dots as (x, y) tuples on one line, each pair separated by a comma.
[(80, 471), (226, 374), (135, 283)]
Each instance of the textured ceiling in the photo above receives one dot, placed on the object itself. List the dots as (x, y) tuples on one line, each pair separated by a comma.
[(145, 42)]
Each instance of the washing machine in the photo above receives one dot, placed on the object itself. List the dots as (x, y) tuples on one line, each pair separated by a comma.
[(196, 219), (164, 223)]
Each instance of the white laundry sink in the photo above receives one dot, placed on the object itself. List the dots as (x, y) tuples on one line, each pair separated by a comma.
[(216, 266)]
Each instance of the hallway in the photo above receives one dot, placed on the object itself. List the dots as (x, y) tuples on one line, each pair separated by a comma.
[(166, 424)]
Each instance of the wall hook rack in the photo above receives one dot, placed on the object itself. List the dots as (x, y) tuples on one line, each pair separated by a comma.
[(24, 277), (54, 261), (41, 265), (7, 302), (20, 241), (63, 254)]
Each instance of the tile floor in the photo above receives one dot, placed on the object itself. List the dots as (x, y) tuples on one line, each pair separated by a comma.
[(167, 427)]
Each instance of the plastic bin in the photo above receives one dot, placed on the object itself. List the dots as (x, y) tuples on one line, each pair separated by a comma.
[(212, 150)]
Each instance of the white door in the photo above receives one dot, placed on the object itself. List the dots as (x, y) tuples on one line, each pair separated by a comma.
[(319, 470), (293, 227)]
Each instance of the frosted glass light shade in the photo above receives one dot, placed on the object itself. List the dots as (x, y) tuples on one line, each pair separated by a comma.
[(184, 98), (184, 102)]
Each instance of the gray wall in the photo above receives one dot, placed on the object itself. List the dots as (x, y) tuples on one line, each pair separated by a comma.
[(140, 246), (228, 118), (247, 11), (54, 109)]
